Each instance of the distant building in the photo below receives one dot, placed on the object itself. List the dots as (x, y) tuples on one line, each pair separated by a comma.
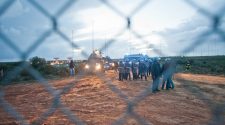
[(57, 62)]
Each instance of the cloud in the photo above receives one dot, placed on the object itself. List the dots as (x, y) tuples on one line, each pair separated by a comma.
[(187, 33), (16, 9), (10, 30), (24, 24)]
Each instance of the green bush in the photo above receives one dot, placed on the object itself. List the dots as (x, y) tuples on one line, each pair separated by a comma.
[(214, 65), (37, 62)]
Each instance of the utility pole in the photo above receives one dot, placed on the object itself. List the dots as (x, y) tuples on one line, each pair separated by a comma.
[(72, 46), (160, 46), (106, 48), (129, 42), (93, 35)]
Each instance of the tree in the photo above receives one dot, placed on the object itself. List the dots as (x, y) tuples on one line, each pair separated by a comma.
[(37, 62)]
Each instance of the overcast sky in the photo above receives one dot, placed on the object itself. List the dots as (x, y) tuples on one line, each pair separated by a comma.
[(168, 26)]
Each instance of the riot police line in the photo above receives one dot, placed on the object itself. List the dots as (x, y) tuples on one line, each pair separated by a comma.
[(141, 69), (134, 69)]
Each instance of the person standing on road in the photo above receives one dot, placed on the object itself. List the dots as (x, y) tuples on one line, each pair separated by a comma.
[(143, 69), (156, 73), (135, 70), (149, 67), (71, 65), (128, 70), (121, 70)]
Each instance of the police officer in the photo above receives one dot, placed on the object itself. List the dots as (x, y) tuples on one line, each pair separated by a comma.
[(149, 67), (143, 69), (156, 73), (172, 69), (165, 73), (168, 70), (135, 70), (121, 70), (128, 69)]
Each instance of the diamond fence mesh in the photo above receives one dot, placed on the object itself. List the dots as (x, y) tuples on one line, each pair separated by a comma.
[(216, 20)]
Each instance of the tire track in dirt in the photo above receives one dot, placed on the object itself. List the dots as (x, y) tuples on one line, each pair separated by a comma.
[(92, 101)]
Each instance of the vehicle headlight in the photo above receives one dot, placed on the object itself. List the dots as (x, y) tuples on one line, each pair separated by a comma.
[(112, 64), (130, 62), (98, 66), (86, 66)]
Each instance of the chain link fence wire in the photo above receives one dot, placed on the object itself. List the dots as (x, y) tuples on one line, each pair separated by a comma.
[(216, 20)]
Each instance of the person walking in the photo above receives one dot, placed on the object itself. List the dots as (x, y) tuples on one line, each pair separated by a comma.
[(165, 73), (168, 70), (156, 73), (172, 69)]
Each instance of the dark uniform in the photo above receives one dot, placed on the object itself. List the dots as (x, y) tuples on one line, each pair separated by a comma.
[(127, 70), (149, 67), (146, 66), (165, 72), (168, 70), (135, 70), (156, 73), (143, 70), (121, 70), (71, 65)]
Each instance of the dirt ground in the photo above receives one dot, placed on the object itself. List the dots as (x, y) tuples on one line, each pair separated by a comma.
[(103, 100)]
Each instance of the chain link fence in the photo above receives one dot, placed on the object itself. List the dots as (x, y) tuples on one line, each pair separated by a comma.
[(216, 21)]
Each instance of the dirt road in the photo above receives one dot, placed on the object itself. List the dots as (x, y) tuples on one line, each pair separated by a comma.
[(96, 101)]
